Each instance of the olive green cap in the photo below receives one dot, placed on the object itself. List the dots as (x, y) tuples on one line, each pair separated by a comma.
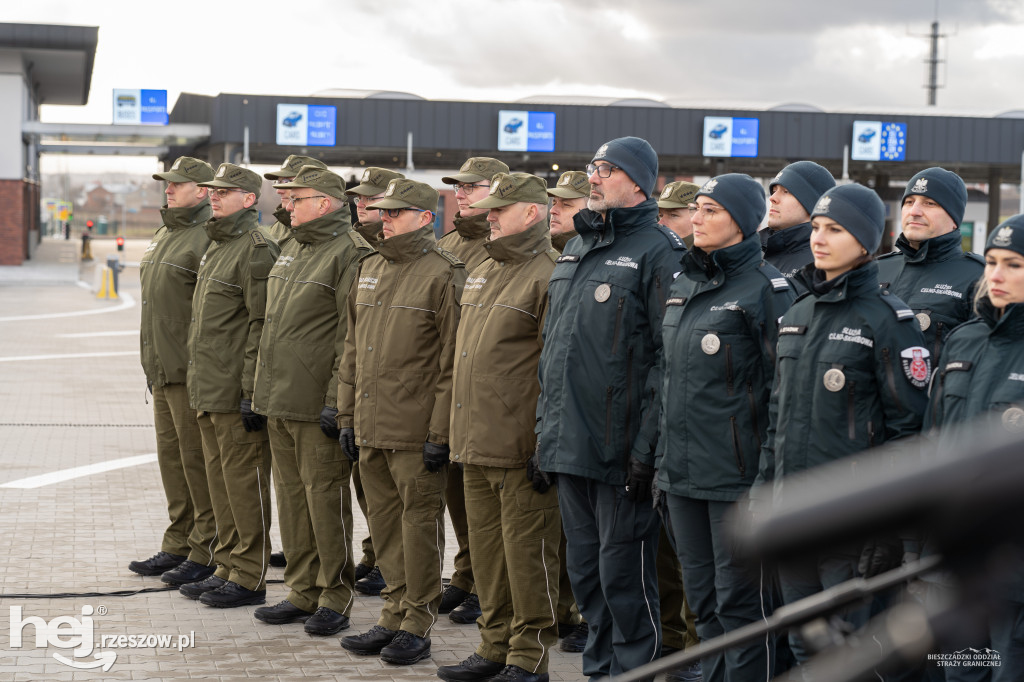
[(230, 175), (476, 169), (571, 185), (513, 188), (374, 181), (187, 169), (292, 165), (406, 193), (678, 195), (320, 179)]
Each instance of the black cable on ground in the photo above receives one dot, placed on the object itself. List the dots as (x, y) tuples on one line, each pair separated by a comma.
[(116, 593)]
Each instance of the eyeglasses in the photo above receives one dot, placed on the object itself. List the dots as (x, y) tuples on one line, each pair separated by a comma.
[(706, 210), (221, 192), (468, 187), (395, 212), (295, 200), (603, 171), (360, 199)]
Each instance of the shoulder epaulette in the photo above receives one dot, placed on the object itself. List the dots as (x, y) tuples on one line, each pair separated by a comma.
[(450, 257), (674, 239), (891, 254), (257, 238), (553, 255), (776, 278), (975, 256), (901, 309), (359, 241)]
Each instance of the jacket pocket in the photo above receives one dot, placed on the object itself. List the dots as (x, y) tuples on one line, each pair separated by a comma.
[(736, 448)]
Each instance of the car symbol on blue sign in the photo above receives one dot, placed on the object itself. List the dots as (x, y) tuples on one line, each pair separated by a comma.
[(292, 119), (514, 125), (718, 131), (867, 135)]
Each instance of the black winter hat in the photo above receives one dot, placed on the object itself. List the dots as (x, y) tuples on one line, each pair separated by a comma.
[(1009, 235), (805, 180), (858, 209), (742, 196), (944, 186), (636, 157)]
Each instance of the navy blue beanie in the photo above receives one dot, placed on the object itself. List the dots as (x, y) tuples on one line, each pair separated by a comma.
[(945, 187), (858, 209), (636, 157), (1009, 235), (742, 196), (806, 181)]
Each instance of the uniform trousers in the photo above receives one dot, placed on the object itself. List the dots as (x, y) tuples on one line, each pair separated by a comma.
[(369, 557), (568, 612), (678, 622), (192, 532), (406, 518), (456, 502), (518, 530), (611, 549), (238, 469), (725, 593), (314, 502)]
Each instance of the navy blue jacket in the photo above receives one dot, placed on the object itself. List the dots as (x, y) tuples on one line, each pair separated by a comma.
[(720, 332), (602, 342)]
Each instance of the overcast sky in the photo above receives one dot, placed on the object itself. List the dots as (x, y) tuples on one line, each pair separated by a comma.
[(838, 56)]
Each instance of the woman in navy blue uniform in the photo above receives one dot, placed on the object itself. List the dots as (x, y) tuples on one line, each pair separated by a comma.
[(981, 374)]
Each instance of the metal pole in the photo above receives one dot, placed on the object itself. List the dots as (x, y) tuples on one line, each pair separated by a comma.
[(846, 162), (245, 147), (408, 153), (933, 65)]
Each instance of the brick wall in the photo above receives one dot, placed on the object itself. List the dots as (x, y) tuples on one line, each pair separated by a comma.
[(15, 214)]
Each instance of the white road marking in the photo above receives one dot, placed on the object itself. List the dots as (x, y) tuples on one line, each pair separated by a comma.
[(126, 302), (85, 335), (68, 356), (78, 472)]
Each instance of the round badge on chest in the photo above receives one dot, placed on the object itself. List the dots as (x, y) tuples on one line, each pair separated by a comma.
[(924, 320), (1013, 419), (710, 343), (834, 380), (602, 293)]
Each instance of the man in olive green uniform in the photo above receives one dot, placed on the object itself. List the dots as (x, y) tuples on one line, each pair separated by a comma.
[(168, 273), (472, 183), (568, 197), (227, 313), (296, 387), (513, 525), (394, 407), (280, 231), (674, 209), (370, 189)]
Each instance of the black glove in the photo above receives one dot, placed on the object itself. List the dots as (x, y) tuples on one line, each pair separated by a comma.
[(329, 422), (541, 480), (639, 478), (347, 438), (435, 456), (880, 555), (250, 420)]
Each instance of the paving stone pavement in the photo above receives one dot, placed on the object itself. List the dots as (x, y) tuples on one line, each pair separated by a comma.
[(77, 536)]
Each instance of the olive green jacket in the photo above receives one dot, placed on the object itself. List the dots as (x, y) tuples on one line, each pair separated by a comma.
[(281, 231), (497, 351), (227, 312), (372, 232), (558, 241), (395, 387), (168, 273), (304, 333), (467, 240)]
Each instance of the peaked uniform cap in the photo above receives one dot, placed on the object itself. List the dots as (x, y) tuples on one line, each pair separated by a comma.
[(374, 181), (678, 194), (513, 188), (230, 175), (406, 193), (187, 169), (292, 165), (571, 185), (476, 169), (317, 178)]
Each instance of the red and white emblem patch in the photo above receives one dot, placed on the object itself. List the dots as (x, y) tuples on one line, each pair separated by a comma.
[(917, 365)]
